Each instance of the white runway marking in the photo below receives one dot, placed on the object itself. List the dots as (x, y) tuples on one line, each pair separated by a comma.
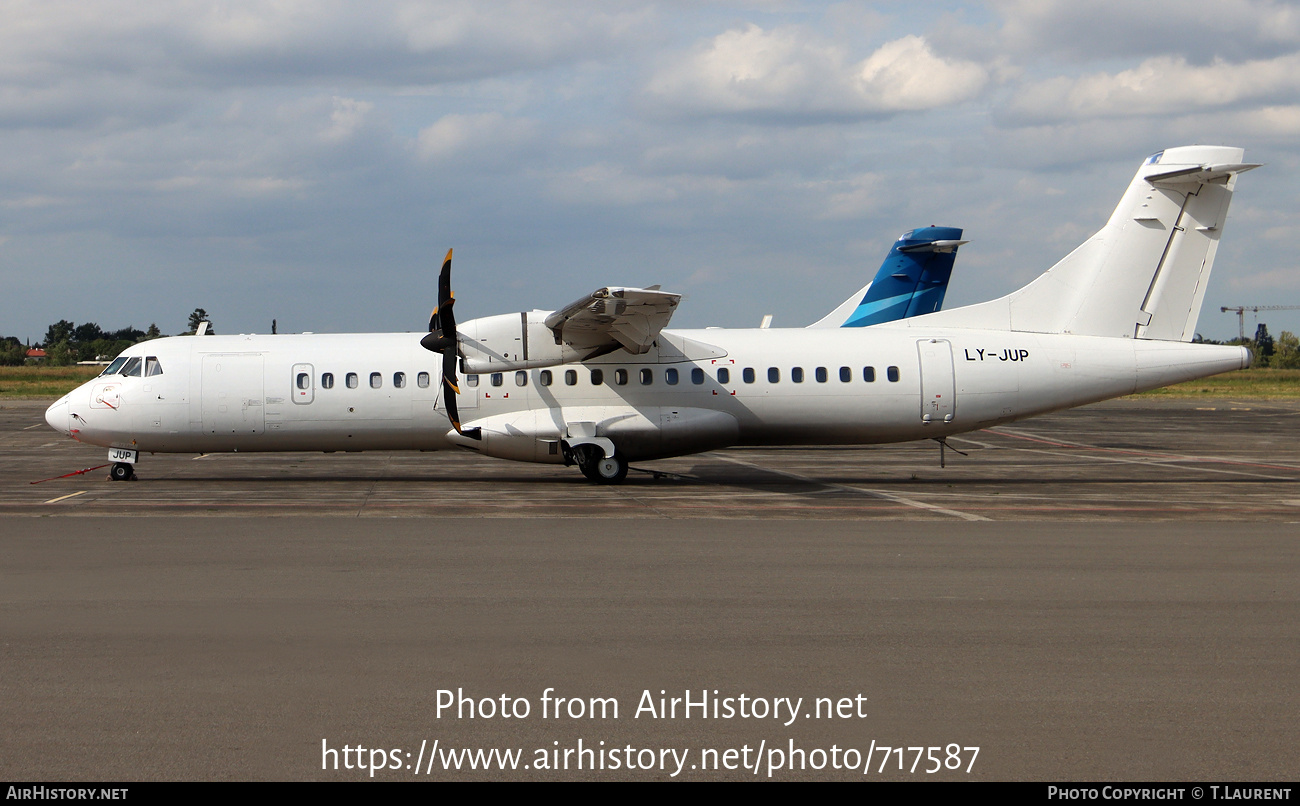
[(66, 497), (888, 496), (1128, 456)]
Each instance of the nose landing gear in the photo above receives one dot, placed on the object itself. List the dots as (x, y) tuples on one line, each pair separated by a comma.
[(121, 471)]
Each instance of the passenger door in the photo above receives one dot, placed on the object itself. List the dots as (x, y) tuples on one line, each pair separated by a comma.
[(938, 389)]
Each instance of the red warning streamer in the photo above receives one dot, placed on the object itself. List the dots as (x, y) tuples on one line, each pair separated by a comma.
[(66, 475)]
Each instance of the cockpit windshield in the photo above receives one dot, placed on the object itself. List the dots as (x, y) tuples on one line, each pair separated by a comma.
[(113, 368), (134, 367)]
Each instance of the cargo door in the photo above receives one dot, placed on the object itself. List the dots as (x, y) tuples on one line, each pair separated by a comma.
[(233, 394)]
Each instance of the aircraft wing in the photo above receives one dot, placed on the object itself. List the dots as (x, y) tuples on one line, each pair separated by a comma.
[(630, 318)]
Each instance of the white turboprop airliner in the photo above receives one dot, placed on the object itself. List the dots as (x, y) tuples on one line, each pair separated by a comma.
[(601, 383)]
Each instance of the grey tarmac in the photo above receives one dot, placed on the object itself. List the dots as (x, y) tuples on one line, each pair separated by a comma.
[(1107, 593)]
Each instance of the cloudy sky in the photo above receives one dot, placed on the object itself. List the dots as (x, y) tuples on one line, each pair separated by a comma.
[(312, 161)]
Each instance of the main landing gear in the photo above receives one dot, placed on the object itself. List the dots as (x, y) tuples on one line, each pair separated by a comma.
[(121, 471), (600, 468)]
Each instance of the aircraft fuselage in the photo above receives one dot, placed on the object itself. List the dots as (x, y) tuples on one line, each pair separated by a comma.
[(697, 390)]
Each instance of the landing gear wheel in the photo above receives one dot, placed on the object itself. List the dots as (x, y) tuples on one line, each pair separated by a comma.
[(611, 470), (121, 471), (596, 467)]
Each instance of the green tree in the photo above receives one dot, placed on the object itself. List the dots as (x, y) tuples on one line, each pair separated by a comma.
[(12, 352), (198, 317), (88, 332), (59, 354), (1286, 351), (1261, 347), (59, 331)]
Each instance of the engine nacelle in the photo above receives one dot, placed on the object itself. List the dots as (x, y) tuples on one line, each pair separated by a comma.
[(525, 436), (513, 341)]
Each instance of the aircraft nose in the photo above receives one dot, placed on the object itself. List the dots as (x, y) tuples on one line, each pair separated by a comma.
[(57, 416)]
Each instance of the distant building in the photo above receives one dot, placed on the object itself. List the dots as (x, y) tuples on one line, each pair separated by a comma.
[(35, 354)]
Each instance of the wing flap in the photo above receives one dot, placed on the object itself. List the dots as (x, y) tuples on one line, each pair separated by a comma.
[(614, 317)]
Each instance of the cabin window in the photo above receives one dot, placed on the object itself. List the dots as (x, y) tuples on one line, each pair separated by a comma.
[(773, 375), (112, 368), (327, 380), (697, 376), (376, 380), (544, 377), (498, 379), (570, 377), (670, 376), (152, 367), (747, 374), (597, 377), (304, 380), (422, 380), (399, 380), (892, 374), (869, 374), (521, 378), (724, 375), (471, 380), (620, 377), (796, 374), (821, 375), (132, 368), (846, 374), (352, 380), (647, 377)]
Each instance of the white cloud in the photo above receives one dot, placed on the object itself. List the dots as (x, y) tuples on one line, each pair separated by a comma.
[(348, 117), (786, 71), (1157, 86), (608, 184), (485, 137), (1100, 29), (313, 138), (857, 198), (58, 58), (745, 151), (1268, 280), (31, 202)]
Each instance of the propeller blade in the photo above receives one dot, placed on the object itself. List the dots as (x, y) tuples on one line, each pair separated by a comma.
[(445, 297), (442, 339), (449, 403)]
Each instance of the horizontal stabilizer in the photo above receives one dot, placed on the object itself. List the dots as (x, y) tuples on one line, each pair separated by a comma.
[(1202, 174)]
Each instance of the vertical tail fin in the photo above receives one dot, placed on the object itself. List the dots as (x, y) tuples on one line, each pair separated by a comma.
[(912, 281), (1144, 274)]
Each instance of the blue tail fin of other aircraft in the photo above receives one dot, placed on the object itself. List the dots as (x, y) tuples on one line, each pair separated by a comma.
[(912, 280)]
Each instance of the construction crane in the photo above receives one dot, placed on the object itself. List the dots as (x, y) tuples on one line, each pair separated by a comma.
[(1240, 311)]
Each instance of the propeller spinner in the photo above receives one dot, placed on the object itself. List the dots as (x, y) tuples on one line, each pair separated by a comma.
[(442, 339)]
